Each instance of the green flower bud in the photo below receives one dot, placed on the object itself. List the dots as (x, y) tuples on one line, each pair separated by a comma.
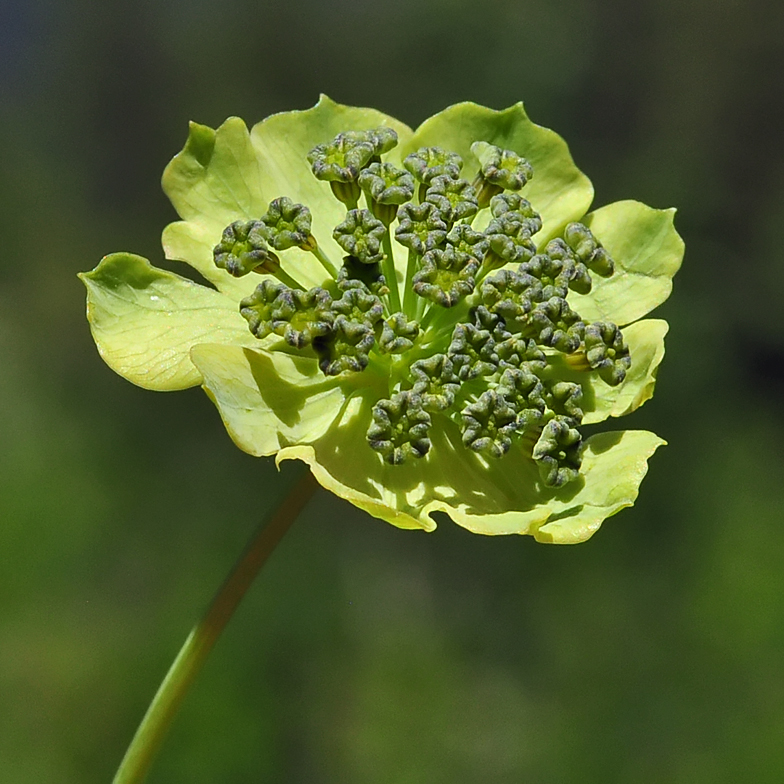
[(454, 198), (561, 268), (553, 273), (558, 453), (607, 352), (386, 183), (472, 352), (502, 168), (557, 325), (383, 139), (588, 249), (445, 276), (435, 382), (345, 348), (489, 424), (257, 309), (504, 203), (398, 334), (243, 249), (399, 428), (464, 239), (287, 224), (354, 274), (565, 399), (518, 352), (420, 227), (386, 187), (298, 316), (492, 322), (302, 316), (428, 163), (360, 235), (522, 388), (340, 161), (510, 294), (509, 241), (359, 305), (344, 157)]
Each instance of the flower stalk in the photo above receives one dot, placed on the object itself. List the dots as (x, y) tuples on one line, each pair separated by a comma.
[(323, 259), (388, 266), (162, 710)]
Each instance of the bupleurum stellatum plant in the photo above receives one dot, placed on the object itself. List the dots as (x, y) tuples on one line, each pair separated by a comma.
[(428, 319)]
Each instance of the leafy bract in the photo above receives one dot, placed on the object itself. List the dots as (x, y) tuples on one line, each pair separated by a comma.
[(268, 399), (145, 321)]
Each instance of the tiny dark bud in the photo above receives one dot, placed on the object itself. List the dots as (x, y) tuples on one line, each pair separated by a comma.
[(445, 276), (345, 348), (360, 235), (454, 198), (343, 158), (420, 227), (243, 249), (503, 168), (489, 424), (588, 249), (429, 162), (607, 352), (558, 453), (287, 224), (398, 334), (399, 428)]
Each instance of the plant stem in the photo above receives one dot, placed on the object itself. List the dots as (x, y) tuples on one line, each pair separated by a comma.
[(324, 261), (164, 706), (390, 273), (285, 278), (409, 297)]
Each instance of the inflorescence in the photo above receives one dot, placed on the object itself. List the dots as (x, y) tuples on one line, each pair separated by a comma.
[(472, 328)]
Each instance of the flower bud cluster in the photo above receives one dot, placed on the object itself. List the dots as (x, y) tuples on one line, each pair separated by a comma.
[(340, 330), (482, 315), (360, 235), (243, 249), (340, 161), (399, 428)]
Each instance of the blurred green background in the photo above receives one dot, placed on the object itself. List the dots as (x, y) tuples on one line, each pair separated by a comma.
[(364, 654)]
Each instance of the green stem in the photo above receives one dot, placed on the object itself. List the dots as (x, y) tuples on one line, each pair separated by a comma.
[(324, 261), (390, 273), (424, 317), (409, 297), (166, 702), (284, 277)]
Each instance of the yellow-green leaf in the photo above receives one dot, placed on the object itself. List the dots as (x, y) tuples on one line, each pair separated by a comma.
[(268, 400), (145, 321)]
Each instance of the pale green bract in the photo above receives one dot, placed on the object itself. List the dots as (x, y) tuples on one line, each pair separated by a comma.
[(164, 332)]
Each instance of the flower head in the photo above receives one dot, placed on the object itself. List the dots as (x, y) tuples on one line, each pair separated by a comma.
[(243, 249), (437, 350)]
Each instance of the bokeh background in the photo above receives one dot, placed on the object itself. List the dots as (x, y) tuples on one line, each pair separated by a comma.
[(367, 655)]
